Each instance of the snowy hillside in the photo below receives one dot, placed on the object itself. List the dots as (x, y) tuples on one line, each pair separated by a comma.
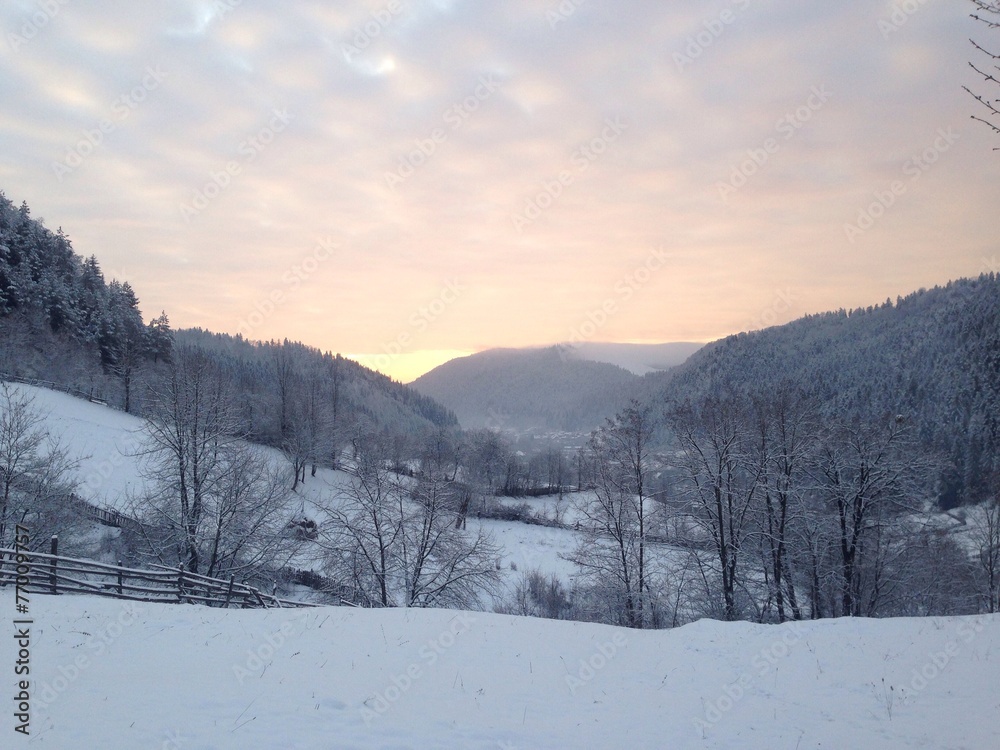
[(105, 675), (107, 445)]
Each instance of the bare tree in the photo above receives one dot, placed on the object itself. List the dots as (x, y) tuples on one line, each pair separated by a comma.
[(486, 459), (397, 542), (192, 427), (985, 537), (360, 539), (720, 477), (868, 475), (988, 13), (785, 437), (440, 564), (36, 486), (614, 552), (247, 518)]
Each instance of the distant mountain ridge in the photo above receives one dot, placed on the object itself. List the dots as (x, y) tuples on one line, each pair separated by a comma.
[(564, 387), (61, 321), (527, 388), (639, 359)]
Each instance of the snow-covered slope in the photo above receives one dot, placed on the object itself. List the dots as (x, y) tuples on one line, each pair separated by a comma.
[(105, 442), (107, 675), (108, 443)]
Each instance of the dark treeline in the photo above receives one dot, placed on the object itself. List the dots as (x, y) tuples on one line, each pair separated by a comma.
[(932, 356), (62, 321)]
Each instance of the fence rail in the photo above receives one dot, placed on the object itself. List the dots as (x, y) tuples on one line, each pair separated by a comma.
[(54, 387), (54, 574)]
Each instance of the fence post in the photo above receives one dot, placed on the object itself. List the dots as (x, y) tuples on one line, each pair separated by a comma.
[(229, 592), (53, 564), (120, 592), (180, 583)]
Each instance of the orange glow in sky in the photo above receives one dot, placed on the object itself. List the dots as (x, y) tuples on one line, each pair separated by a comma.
[(414, 181)]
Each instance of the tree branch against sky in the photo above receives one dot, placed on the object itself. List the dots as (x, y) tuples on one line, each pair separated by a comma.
[(987, 65)]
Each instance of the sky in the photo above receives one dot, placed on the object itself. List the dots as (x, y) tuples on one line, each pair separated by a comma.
[(405, 181)]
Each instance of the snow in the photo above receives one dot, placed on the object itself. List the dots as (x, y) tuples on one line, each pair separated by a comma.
[(107, 444), (103, 440), (529, 547), (107, 674)]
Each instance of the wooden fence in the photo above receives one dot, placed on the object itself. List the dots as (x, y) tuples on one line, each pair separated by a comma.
[(53, 574), (105, 516), (54, 387)]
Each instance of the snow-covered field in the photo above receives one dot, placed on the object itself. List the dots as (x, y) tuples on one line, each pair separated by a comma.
[(105, 675)]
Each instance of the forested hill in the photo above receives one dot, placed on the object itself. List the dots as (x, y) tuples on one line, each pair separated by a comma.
[(363, 397), (61, 321), (932, 356), (59, 318), (522, 388)]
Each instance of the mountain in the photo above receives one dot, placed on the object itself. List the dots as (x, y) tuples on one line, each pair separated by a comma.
[(932, 357), (639, 359), (336, 391), (564, 387), (60, 319), (528, 388), (62, 322)]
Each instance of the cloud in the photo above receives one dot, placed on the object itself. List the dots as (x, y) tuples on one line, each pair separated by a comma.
[(397, 88)]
